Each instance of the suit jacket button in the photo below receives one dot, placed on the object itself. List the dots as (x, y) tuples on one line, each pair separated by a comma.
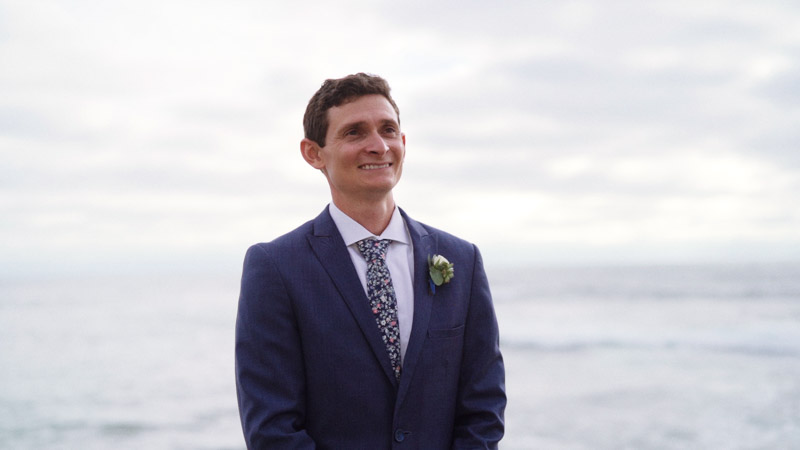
[(399, 435)]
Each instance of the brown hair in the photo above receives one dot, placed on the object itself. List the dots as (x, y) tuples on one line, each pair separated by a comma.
[(336, 92)]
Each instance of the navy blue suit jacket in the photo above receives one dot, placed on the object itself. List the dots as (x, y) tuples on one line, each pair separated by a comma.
[(313, 372)]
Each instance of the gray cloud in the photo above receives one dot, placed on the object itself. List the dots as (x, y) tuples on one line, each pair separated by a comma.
[(180, 122)]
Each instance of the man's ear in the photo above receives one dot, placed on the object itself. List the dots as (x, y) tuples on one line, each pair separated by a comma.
[(311, 153)]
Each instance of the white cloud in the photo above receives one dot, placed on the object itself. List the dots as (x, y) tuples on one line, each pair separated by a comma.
[(667, 123)]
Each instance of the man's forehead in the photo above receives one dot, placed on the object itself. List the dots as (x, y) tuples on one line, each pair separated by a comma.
[(363, 109)]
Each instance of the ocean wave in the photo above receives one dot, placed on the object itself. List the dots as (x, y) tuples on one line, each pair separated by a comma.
[(582, 346)]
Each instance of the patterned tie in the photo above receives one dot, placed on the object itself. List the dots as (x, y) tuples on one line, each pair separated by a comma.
[(382, 299)]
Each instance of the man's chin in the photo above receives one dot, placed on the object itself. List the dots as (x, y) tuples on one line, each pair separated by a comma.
[(381, 184), (371, 193)]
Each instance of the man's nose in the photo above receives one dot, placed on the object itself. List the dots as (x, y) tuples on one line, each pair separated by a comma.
[(376, 143)]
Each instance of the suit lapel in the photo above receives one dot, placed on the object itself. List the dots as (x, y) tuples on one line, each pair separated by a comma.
[(329, 247), (424, 244)]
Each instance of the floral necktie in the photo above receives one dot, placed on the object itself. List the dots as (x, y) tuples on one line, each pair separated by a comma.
[(382, 299)]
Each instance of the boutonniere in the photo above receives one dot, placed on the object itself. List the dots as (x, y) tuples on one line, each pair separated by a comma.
[(441, 271)]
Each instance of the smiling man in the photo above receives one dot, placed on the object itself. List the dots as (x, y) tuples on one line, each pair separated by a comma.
[(364, 329)]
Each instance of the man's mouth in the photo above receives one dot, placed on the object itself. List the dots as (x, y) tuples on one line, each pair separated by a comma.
[(375, 166)]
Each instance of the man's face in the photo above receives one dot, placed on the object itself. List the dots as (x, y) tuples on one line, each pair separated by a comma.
[(364, 149)]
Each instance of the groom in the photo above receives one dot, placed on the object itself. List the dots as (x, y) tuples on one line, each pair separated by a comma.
[(344, 338)]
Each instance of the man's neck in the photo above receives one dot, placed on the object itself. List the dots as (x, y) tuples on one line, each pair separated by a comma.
[(372, 215)]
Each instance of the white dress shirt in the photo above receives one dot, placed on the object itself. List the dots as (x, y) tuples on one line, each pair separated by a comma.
[(399, 260)]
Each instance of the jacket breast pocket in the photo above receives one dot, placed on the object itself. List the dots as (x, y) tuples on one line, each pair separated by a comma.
[(446, 333), (441, 362)]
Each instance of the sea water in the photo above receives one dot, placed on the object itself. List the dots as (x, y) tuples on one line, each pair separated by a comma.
[(596, 358), (698, 357)]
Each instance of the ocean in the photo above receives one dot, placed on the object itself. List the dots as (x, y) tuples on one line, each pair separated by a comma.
[(643, 357)]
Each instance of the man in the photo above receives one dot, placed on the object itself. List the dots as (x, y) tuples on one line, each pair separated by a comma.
[(344, 337)]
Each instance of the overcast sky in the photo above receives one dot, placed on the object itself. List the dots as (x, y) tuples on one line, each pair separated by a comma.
[(165, 134)]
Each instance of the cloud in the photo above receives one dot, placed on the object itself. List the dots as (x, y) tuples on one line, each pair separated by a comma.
[(128, 128)]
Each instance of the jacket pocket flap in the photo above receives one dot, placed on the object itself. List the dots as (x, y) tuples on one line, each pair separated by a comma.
[(445, 333)]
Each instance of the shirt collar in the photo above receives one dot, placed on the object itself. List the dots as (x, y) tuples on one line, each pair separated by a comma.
[(353, 231)]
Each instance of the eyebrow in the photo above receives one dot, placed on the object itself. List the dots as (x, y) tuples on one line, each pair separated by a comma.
[(350, 125), (362, 123)]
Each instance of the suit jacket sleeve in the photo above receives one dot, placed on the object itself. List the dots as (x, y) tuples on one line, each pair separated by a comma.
[(269, 365), (481, 396)]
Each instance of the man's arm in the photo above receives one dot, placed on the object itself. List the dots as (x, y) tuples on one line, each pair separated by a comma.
[(481, 397), (269, 366)]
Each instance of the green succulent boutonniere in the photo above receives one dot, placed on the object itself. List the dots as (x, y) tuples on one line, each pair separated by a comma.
[(441, 271)]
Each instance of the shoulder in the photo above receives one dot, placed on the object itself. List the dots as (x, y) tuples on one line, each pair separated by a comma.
[(437, 241), (287, 241), (442, 238), (447, 239), (297, 239)]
